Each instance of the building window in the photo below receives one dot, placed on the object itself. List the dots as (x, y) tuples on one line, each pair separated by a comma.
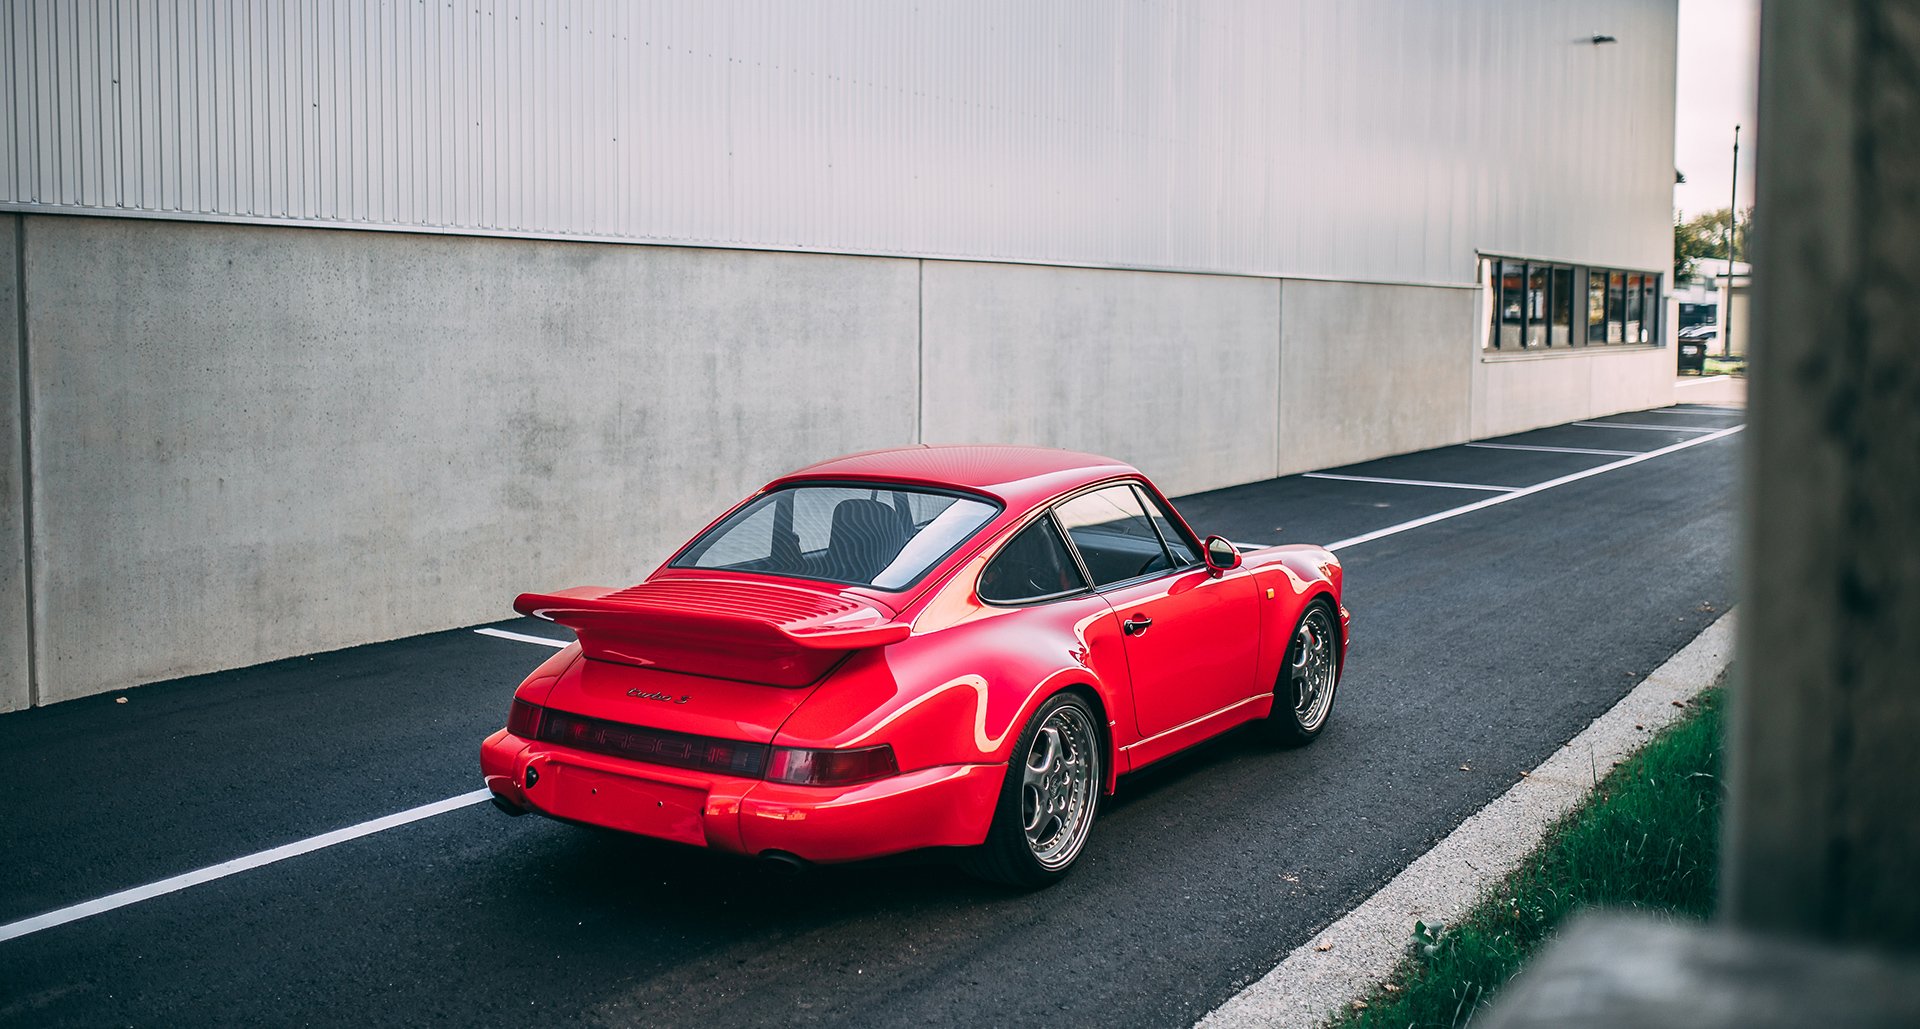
[(1650, 322), (1596, 309), (1562, 308), (1636, 302), (1538, 305), (1616, 307), (1510, 311)]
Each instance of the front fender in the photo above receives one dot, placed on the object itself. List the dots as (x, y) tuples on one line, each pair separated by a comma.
[(1291, 577)]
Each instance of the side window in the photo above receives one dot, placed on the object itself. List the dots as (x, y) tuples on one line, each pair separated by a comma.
[(1177, 544), (1113, 535), (1033, 565)]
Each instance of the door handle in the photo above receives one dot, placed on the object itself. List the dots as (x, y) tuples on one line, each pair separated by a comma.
[(1136, 625)]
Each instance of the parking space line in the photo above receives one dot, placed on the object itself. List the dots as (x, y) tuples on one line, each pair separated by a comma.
[(1555, 450), (1441, 516), (521, 637), (1408, 482), (1656, 428), (15, 930)]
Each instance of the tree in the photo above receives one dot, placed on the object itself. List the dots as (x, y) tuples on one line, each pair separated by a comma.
[(1704, 238)]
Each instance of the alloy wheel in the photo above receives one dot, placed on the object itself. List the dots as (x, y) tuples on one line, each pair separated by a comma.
[(1059, 780)]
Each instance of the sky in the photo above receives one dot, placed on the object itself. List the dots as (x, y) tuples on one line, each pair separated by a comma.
[(1719, 50)]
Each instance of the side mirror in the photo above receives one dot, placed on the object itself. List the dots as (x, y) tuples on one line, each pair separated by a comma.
[(1222, 555)]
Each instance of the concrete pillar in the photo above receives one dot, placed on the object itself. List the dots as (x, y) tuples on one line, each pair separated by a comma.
[(16, 689), (1823, 836)]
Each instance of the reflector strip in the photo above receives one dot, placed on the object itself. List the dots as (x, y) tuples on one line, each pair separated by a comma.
[(654, 746)]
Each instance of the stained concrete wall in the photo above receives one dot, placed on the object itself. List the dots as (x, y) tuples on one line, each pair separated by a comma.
[(257, 442), (1368, 370), (15, 688), (1513, 393), (1174, 373)]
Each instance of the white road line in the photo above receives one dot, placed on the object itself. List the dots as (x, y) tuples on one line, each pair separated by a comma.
[(1700, 382), (522, 637), (1408, 482), (1555, 450), (1346, 960), (1657, 428), (1707, 409), (15, 930), (1392, 530)]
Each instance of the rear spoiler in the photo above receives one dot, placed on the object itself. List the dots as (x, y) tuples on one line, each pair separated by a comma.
[(756, 632)]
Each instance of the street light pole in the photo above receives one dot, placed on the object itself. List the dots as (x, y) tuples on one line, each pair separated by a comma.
[(1733, 218)]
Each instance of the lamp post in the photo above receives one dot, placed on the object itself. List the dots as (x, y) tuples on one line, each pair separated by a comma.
[(1733, 218)]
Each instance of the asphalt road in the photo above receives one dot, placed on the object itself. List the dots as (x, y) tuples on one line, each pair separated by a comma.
[(1483, 641)]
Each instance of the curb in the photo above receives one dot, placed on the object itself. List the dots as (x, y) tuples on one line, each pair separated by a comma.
[(1345, 961)]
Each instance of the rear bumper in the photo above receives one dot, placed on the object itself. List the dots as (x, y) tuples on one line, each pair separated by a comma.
[(945, 806)]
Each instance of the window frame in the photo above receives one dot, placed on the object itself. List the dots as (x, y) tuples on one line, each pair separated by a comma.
[(1151, 502), (1086, 575), (1574, 286), (1073, 558)]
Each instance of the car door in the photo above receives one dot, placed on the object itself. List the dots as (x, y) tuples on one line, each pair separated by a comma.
[(1192, 640)]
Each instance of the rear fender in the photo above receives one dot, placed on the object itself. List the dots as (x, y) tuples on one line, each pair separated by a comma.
[(956, 696)]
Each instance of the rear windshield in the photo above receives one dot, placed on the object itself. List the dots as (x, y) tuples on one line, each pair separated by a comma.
[(883, 537)]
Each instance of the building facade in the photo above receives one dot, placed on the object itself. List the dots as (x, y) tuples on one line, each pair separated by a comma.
[(345, 321)]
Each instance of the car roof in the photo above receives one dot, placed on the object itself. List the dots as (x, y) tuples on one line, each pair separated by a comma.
[(1018, 475)]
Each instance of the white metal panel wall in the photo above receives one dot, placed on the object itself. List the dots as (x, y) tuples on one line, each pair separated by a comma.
[(1382, 140)]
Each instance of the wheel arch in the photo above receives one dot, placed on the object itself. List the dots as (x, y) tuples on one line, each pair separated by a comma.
[(1104, 719)]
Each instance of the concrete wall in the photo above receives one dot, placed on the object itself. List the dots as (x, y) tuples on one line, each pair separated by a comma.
[(1513, 393), (1175, 373), (15, 691), (1368, 370), (250, 442), (257, 442)]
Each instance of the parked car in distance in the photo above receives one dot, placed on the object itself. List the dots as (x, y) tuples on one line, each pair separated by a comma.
[(955, 647)]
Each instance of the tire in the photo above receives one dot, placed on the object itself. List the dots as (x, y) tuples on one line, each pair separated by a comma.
[(1309, 677), (1049, 799)]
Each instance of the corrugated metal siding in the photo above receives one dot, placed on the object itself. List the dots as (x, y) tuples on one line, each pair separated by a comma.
[(1368, 139)]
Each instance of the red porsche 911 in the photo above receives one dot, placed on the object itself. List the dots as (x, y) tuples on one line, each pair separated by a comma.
[(957, 646)]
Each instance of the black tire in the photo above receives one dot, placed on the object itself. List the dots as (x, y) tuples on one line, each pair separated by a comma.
[(1070, 795), (1295, 722)]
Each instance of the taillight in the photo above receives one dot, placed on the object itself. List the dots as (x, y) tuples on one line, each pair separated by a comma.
[(523, 720), (830, 767)]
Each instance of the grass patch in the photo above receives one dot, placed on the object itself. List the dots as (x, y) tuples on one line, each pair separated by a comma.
[(1647, 838), (1725, 366)]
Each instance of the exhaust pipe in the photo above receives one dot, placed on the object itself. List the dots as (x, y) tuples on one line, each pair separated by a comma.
[(507, 806), (784, 864)]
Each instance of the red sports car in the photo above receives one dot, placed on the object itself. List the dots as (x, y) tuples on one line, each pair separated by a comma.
[(957, 646)]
